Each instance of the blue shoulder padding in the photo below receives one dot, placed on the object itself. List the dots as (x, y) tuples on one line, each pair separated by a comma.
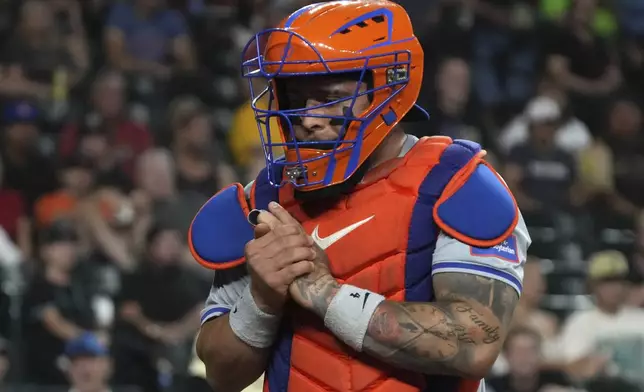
[(220, 230), (482, 209)]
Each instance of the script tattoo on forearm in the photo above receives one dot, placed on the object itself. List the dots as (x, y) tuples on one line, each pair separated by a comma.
[(457, 335)]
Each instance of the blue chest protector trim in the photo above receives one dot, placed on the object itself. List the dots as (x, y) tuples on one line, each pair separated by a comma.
[(264, 192), (220, 230), (279, 364), (423, 231)]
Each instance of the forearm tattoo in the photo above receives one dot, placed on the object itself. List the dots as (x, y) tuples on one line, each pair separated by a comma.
[(317, 291), (460, 334)]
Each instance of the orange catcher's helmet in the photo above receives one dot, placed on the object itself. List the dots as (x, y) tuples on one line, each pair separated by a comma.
[(371, 42)]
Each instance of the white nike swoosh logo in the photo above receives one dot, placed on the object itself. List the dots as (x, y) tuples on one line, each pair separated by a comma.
[(335, 237)]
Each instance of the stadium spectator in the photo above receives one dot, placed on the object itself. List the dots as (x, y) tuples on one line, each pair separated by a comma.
[(523, 351), (446, 30), (96, 147), (583, 63), (141, 36), (503, 37), (26, 168), (607, 340), (42, 50), (572, 135), (528, 314), (611, 169), (541, 174), (76, 181), (88, 365), (159, 313), (113, 227), (58, 305), (452, 111), (157, 193), (199, 164), (108, 115)]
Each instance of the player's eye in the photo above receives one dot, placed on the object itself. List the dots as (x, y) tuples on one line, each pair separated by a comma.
[(296, 101)]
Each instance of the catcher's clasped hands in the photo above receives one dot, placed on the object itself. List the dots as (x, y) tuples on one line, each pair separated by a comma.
[(283, 260)]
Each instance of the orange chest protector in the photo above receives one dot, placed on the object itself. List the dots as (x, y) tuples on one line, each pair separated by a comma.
[(381, 237)]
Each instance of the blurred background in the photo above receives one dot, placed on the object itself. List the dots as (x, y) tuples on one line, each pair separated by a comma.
[(120, 118)]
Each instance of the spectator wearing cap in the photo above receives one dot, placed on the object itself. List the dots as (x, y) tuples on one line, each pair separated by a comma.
[(609, 338), (88, 365), (107, 116), (26, 168), (571, 135), (58, 305), (541, 174)]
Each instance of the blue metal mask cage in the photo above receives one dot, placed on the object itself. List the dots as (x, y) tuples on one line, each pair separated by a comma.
[(259, 67)]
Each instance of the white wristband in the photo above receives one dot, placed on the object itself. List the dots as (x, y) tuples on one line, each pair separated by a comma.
[(349, 314), (250, 324)]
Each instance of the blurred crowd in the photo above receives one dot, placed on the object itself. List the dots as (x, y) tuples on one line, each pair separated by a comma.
[(119, 119)]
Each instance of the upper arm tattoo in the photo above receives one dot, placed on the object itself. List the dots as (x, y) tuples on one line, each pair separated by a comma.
[(460, 334), (492, 294)]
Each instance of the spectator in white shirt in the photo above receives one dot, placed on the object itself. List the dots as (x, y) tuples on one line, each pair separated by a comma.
[(608, 339), (572, 135)]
